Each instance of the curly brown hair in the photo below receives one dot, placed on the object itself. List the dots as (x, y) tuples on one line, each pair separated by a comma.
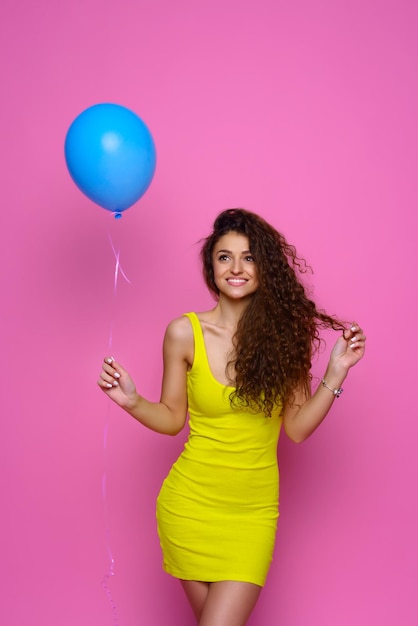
[(278, 333)]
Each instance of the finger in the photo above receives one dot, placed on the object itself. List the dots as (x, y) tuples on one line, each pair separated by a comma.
[(108, 380), (104, 384), (351, 332), (112, 368), (109, 376), (110, 361), (358, 341)]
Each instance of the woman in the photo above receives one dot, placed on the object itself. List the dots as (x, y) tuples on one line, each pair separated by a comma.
[(240, 370)]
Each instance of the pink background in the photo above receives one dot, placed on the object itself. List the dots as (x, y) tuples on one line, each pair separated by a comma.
[(304, 111)]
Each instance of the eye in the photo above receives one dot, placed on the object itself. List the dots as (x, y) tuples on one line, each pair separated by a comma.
[(223, 257), (249, 258)]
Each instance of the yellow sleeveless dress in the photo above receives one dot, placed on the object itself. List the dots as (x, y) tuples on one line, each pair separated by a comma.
[(217, 509)]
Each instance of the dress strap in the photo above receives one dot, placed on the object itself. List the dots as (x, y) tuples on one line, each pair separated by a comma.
[(199, 342)]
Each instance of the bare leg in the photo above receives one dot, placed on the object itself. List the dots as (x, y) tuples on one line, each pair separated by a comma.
[(229, 603), (197, 593)]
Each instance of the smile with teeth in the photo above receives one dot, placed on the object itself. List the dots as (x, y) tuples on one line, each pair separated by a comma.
[(236, 282)]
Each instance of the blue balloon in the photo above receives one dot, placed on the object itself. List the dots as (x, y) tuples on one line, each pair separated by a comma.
[(110, 155)]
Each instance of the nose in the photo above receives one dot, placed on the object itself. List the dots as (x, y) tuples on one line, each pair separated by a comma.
[(236, 266)]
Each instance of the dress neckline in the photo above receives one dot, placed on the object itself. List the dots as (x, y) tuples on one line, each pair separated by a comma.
[(202, 336)]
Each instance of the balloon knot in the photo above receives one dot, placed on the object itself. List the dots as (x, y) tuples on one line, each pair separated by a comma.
[(117, 215)]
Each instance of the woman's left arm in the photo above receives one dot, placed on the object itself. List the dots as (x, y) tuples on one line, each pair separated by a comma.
[(305, 414)]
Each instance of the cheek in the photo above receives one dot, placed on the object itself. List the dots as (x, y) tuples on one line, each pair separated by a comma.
[(215, 278), (218, 269)]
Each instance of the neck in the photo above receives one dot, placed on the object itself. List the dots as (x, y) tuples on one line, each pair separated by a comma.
[(228, 312)]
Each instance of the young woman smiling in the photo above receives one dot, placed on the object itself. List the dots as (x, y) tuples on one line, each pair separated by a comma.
[(240, 371)]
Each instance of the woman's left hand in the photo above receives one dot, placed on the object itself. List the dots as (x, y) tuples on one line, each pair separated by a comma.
[(349, 348)]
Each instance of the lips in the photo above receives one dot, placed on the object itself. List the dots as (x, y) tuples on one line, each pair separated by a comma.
[(236, 282)]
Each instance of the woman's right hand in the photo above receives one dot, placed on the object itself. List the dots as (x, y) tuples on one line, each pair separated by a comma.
[(117, 384)]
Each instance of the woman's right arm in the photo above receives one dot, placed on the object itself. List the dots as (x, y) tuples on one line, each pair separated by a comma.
[(167, 416)]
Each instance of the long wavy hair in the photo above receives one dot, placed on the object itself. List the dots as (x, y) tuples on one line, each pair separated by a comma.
[(278, 333)]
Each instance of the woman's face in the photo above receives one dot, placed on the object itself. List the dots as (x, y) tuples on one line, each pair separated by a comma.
[(234, 269)]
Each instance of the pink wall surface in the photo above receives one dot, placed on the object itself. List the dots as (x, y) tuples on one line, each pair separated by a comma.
[(304, 111)]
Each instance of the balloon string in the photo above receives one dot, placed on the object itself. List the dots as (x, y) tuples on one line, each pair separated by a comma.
[(111, 571), (118, 270), (118, 267)]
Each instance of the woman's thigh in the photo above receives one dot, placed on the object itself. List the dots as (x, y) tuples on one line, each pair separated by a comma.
[(197, 593), (229, 603)]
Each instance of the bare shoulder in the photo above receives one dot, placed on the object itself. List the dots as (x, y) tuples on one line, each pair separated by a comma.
[(179, 338), (180, 329)]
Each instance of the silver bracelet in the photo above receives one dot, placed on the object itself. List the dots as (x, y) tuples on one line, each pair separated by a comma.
[(336, 392)]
